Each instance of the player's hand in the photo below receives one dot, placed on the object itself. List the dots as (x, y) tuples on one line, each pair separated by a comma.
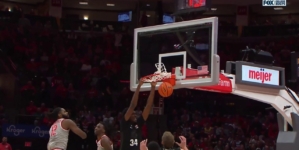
[(153, 84), (140, 82), (182, 143), (142, 145)]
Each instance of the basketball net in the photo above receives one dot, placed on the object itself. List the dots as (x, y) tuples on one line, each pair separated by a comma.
[(160, 75)]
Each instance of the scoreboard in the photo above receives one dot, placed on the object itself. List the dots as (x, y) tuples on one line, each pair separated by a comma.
[(188, 6), (196, 3)]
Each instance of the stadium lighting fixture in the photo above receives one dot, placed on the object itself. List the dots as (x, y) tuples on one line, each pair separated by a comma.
[(278, 8), (83, 3), (111, 5)]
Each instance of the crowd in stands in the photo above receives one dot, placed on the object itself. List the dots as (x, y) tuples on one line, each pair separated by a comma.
[(82, 74)]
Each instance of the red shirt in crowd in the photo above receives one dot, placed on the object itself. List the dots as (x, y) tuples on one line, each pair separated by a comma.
[(192, 144), (272, 131), (43, 109), (53, 58), (33, 66), (47, 121), (114, 66), (203, 145), (56, 80), (28, 87), (31, 109), (61, 91), (92, 93), (5, 146), (21, 49), (70, 51)]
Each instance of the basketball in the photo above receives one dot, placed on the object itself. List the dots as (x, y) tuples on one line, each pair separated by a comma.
[(165, 89)]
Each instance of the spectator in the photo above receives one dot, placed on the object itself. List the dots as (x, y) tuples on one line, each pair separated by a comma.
[(46, 121), (108, 119), (38, 113), (32, 65), (92, 93), (4, 145), (61, 93), (24, 22), (28, 87), (31, 109), (43, 108), (43, 95)]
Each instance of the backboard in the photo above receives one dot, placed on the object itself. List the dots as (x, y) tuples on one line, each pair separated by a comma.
[(187, 49)]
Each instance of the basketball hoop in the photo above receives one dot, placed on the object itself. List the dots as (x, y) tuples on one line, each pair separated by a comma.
[(160, 75)]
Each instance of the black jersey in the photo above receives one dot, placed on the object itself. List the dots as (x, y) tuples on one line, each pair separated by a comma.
[(131, 134)]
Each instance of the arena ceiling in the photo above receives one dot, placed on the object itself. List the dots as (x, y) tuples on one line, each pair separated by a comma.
[(121, 3), (292, 7)]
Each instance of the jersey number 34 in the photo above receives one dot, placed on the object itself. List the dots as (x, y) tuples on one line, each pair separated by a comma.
[(133, 142)]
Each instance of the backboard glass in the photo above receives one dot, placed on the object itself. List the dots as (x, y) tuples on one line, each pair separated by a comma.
[(187, 49)]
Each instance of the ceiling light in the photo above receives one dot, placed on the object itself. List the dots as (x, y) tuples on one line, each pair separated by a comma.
[(148, 5), (110, 5), (278, 8), (85, 17), (9, 9), (213, 9), (83, 3), (148, 15)]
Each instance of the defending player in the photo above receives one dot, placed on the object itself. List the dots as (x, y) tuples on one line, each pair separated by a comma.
[(103, 141), (131, 126), (59, 131)]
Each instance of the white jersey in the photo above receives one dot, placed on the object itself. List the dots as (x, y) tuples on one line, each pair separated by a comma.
[(100, 147), (58, 136)]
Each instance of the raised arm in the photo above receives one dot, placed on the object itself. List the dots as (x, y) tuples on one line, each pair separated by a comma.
[(150, 101), (134, 102), (71, 125), (142, 145), (106, 143), (183, 143)]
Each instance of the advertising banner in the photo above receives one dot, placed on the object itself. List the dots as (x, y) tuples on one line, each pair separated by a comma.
[(125, 17), (224, 86), (260, 75), (30, 131), (242, 16), (55, 9)]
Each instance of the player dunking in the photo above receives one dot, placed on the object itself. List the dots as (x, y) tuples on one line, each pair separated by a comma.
[(59, 131), (131, 134), (103, 141)]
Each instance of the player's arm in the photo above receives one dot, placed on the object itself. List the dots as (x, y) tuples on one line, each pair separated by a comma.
[(150, 101), (134, 102), (106, 143), (71, 125)]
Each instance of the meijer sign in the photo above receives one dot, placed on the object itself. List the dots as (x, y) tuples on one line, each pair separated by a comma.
[(260, 75)]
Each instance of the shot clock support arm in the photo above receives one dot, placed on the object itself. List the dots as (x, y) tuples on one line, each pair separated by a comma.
[(285, 101)]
